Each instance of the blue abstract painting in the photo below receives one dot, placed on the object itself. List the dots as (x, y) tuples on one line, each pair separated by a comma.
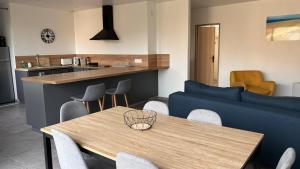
[(280, 28)]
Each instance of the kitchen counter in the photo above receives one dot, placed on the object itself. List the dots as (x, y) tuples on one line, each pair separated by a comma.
[(88, 75)]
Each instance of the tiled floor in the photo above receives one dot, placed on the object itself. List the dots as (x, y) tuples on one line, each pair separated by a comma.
[(20, 147)]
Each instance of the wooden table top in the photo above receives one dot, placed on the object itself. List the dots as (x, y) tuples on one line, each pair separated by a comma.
[(88, 75), (172, 143)]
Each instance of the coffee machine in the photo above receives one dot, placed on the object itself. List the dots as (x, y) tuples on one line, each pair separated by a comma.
[(76, 61)]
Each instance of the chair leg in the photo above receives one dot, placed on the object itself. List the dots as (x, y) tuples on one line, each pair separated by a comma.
[(85, 105), (126, 101), (112, 101), (115, 98), (100, 105), (88, 107), (103, 102)]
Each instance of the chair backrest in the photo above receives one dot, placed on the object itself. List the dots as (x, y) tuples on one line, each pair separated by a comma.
[(94, 92), (250, 76), (157, 106), (287, 159), (128, 161), (123, 86), (206, 116), (72, 110), (69, 155)]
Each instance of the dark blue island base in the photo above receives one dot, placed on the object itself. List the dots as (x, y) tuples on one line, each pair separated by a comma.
[(43, 101)]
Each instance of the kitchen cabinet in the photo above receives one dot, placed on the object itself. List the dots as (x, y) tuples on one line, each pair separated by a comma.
[(29, 73)]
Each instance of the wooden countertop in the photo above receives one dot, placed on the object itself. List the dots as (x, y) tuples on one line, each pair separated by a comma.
[(172, 143), (89, 75)]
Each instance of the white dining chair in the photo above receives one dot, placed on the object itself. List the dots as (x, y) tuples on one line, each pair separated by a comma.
[(69, 155), (206, 116), (287, 159), (157, 106), (72, 110), (128, 161)]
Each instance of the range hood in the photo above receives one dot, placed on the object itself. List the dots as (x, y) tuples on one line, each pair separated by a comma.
[(108, 32)]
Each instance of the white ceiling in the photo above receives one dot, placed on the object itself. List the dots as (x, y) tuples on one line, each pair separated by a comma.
[(210, 3), (74, 5)]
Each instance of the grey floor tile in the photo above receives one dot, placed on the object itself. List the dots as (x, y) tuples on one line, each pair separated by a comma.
[(20, 147), (10, 164), (3, 158), (33, 158), (16, 144)]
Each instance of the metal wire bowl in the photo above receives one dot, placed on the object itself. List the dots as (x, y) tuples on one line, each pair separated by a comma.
[(140, 119)]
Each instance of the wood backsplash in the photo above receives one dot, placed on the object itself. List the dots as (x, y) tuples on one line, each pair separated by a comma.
[(153, 60)]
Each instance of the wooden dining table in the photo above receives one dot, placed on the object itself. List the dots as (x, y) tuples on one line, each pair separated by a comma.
[(172, 143)]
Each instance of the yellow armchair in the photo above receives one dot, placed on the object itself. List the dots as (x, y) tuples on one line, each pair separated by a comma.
[(252, 81)]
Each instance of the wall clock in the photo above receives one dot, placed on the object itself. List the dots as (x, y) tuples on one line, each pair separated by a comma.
[(47, 36)]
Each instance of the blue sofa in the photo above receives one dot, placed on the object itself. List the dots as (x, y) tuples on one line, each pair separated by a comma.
[(276, 117)]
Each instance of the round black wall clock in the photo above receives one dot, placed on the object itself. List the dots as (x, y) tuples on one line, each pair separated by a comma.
[(47, 35)]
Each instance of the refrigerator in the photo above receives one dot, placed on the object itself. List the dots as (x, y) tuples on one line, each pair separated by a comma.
[(6, 80)]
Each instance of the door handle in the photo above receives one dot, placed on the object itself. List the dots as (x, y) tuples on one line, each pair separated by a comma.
[(213, 58)]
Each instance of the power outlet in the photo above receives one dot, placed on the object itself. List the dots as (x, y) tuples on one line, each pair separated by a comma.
[(138, 61)]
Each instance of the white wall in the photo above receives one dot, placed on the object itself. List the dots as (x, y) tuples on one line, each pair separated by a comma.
[(152, 24), (173, 38), (27, 23), (130, 22), (243, 43)]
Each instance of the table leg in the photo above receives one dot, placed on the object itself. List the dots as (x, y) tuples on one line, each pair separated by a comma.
[(257, 162), (47, 152), (254, 161)]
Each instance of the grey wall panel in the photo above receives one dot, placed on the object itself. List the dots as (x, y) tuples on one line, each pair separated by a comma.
[(20, 92), (35, 106)]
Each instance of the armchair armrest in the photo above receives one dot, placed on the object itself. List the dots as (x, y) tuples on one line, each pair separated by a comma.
[(271, 85), (267, 84)]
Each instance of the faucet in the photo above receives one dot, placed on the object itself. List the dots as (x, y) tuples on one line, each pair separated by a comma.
[(37, 58)]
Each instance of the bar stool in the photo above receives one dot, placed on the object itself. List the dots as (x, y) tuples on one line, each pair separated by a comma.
[(122, 88), (93, 93)]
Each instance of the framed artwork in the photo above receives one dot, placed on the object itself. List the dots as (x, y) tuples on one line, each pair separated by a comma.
[(283, 28)]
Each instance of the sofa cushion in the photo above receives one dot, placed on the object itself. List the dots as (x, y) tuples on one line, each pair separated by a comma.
[(291, 103), (232, 93)]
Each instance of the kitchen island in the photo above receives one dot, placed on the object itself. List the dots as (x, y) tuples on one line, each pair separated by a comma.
[(43, 70), (44, 95)]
